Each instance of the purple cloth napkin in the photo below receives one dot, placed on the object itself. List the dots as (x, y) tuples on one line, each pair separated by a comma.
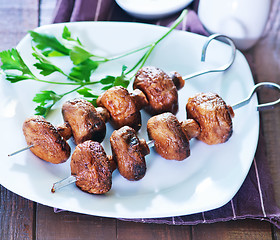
[(255, 199)]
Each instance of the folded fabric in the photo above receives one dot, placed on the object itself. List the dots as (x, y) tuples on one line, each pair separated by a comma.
[(255, 198)]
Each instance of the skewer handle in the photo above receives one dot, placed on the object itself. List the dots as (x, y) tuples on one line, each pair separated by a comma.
[(203, 55), (263, 106), (63, 183)]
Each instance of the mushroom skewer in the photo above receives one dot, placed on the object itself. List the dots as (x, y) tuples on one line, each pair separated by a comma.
[(214, 118), (153, 89), (168, 145)]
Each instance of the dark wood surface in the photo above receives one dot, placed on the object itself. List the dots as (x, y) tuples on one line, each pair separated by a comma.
[(24, 219)]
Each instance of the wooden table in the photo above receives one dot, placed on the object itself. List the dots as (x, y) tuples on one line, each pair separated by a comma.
[(24, 219)]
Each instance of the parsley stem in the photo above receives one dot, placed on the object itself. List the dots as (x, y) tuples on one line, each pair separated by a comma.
[(73, 90), (173, 26), (51, 82), (103, 59), (135, 66), (80, 83), (77, 80), (151, 46), (128, 53)]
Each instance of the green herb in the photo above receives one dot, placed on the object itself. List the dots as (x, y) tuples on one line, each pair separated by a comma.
[(87, 93), (11, 60), (112, 81), (49, 43), (44, 64), (84, 65), (46, 100), (83, 70)]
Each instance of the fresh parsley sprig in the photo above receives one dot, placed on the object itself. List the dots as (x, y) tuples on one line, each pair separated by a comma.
[(84, 65), (16, 70)]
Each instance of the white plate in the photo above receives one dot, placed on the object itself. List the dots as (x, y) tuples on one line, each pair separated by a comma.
[(206, 180), (152, 9)]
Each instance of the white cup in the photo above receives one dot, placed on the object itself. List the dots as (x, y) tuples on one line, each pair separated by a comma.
[(242, 20)]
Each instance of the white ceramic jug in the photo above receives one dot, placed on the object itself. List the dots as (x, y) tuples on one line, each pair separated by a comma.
[(242, 20)]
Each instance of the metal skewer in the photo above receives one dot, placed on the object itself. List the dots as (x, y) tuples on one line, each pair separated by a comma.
[(203, 55), (64, 182), (20, 150), (260, 107), (150, 143)]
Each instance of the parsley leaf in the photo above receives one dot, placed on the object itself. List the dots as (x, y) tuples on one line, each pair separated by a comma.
[(11, 60), (16, 78), (84, 70), (44, 64), (79, 54), (67, 36), (111, 81), (51, 53), (46, 100), (16, 70), (48, 42), (86, 92), (107, 87), (122, 80), (108, 80)]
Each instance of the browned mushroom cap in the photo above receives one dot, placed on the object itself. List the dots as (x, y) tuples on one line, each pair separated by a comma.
[(121, 106), (159, 89), (86, 123), (90, 166), (213, 116), (129, 153), (47, 142), (169, 139)]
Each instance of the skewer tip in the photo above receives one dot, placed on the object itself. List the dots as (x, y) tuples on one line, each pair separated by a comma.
[(53, 189), (63, 183), (21, 150)]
